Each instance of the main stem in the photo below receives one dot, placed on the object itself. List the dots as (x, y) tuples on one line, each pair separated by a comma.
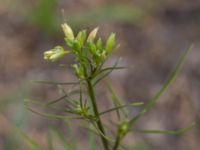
[(117, 142), (96, 113)]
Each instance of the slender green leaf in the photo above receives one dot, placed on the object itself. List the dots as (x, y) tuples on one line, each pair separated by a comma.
[(168, 132), (67, 95), (112, 68), (166, 85), (54, 82), (121, 106), (99, 133), (53, 116)]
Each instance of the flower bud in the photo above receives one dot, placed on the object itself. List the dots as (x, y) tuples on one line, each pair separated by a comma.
[(68, 31), (123, 128), (55, 53), (92, 35), (110, 43)]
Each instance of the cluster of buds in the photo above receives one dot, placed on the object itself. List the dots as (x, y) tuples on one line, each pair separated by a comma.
[(84, 48), (83, 111)]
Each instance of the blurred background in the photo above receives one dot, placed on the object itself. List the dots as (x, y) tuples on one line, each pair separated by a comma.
[(152, 36)]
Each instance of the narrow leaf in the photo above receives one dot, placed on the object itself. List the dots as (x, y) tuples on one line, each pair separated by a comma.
[(73, 92), (168, 132), (54, 82), (166, 85), (120, 107), (53, 116)]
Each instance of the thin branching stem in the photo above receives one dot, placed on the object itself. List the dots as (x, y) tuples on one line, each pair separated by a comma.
[(96, 113)]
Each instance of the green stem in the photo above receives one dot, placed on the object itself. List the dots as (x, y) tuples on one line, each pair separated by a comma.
[(96, 113), (117, 142)]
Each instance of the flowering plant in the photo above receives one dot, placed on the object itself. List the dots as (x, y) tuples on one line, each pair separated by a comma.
[(90, 55)]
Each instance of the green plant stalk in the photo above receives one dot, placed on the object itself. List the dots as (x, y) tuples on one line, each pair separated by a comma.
[(96, 113), (117, 142)]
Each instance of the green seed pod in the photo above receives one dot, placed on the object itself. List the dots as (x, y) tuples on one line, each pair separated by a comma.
[(78, 70), (92, 48), (81, 37), (99, 44), (123, 128)]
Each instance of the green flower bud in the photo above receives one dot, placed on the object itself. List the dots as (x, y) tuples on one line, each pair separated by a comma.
[(92, 35), (81, 37), (123, 128), (92, 48), (110, 43), (99, 44), (55, 53), (68, 31), (78, 70)]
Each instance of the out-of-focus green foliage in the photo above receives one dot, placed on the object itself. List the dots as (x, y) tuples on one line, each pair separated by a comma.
[(115, 13), (44, 15)]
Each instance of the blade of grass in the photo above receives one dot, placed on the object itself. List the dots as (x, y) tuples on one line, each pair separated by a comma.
[(164, 88), (168, 132), (54, 82)]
